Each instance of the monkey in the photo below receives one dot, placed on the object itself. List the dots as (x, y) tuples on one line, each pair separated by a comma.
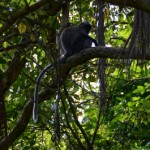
[(70, 41), (77, 39)]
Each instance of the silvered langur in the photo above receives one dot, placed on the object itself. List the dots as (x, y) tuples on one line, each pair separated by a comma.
[(70, 41)]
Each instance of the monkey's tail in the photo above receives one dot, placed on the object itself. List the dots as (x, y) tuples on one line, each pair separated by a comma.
[(35, 102)]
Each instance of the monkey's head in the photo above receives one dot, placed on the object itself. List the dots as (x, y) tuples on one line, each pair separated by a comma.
[(86, 26)]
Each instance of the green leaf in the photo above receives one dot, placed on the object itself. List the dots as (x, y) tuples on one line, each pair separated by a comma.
[(140, 89)]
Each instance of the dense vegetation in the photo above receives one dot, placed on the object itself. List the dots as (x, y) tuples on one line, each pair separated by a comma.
[(97, 99)]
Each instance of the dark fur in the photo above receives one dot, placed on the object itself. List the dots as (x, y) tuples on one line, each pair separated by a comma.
[(77, 39)]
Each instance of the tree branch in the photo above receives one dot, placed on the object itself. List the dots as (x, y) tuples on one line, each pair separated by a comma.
[(138, 4), (104, 52), (13, 70)]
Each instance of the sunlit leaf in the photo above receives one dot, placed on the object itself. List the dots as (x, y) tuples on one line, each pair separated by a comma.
[(140, 89), (22, 27)]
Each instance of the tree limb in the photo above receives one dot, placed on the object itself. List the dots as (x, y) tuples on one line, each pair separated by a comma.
[(138, 4)]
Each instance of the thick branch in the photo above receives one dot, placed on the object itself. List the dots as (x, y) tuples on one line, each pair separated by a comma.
[(104, 52), (13, 70), (138, 4), (47, 93)]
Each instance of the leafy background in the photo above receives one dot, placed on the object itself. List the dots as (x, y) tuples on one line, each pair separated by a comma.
[(29, 45)]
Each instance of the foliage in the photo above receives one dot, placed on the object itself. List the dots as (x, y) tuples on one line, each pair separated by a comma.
[(124, 120)]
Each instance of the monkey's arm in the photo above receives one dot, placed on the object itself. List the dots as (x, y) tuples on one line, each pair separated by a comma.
[(79, 37)]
